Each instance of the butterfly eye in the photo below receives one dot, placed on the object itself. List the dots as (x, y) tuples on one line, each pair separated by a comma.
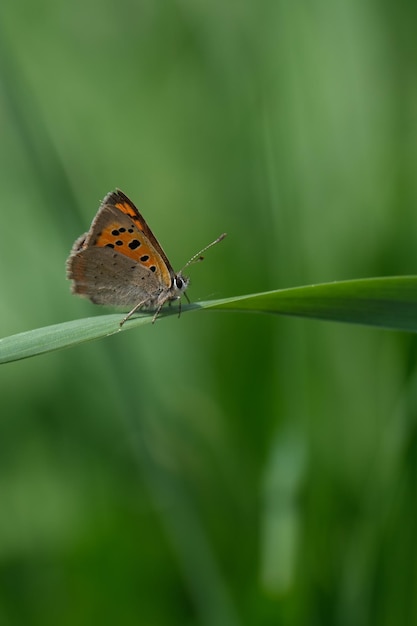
[(179, 282)]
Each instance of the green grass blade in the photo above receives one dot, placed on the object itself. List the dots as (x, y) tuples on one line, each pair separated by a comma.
[(56, 337), (384, 302)]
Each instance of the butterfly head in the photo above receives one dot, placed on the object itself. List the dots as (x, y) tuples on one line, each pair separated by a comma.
[(178, 286)]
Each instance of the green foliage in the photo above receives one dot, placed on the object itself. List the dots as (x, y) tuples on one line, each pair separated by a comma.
[(218, 470), (387, 302)]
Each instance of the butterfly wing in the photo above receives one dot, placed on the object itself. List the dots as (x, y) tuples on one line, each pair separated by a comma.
[(119, 261), (107, 277), (119, 200), (119, 224)]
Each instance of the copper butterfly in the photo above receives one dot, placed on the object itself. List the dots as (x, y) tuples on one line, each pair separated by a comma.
[(119, 262)]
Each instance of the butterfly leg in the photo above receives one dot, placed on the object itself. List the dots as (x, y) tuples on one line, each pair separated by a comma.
[(180, 306), (157, 313), (135, 308)]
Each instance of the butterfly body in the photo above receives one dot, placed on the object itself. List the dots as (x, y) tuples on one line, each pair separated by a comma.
[(119, 261)]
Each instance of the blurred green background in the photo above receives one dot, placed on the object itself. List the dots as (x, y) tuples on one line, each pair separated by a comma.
[(220, 469)]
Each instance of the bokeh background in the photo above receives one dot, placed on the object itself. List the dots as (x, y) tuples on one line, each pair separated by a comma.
[(220, 469)]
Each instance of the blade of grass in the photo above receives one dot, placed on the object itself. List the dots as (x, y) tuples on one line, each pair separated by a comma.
[(389, 303), (384, 302)]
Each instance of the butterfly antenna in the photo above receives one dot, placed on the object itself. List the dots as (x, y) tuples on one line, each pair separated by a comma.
[(197, 257)]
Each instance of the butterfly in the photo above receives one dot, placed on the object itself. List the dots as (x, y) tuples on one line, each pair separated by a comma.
[(119, 262)]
